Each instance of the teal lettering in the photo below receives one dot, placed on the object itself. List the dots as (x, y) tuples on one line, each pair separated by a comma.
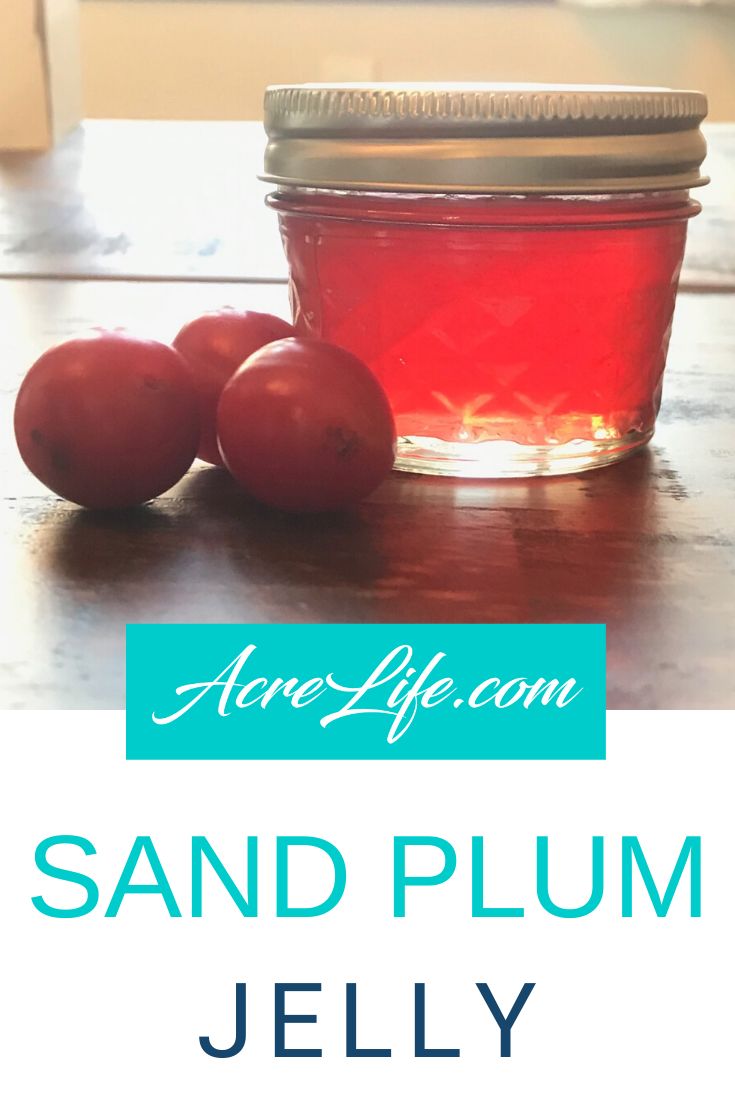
[(691, 852), (57, 873), (160, 885), (542, 880), (283, 847), (401, 881), (200, 849), (479, 910)]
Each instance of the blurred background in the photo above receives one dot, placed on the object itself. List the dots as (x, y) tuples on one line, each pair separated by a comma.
[(138, 109), (62, 60)]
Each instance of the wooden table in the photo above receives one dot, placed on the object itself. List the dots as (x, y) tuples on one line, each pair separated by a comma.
[(143, 223)]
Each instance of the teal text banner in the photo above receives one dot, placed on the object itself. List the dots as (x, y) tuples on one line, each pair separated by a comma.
[(365, 691)]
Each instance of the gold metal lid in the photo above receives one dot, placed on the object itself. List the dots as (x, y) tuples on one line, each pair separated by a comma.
[(484, 138)]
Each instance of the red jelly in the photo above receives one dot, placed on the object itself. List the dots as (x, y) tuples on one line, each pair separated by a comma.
[(518, 328)]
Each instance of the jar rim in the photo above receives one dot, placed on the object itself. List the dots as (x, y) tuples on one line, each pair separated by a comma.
[(528, 212)]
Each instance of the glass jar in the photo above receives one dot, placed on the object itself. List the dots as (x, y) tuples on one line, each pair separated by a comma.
[(505, 260)]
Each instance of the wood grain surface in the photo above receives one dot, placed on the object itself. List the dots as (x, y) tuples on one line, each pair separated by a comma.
[(647, 546)]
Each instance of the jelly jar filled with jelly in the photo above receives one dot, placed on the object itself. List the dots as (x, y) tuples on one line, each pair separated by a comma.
[(504, 258)]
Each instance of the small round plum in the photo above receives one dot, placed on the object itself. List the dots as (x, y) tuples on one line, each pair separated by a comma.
[(108, 420), (215, 345), (305, 426)]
